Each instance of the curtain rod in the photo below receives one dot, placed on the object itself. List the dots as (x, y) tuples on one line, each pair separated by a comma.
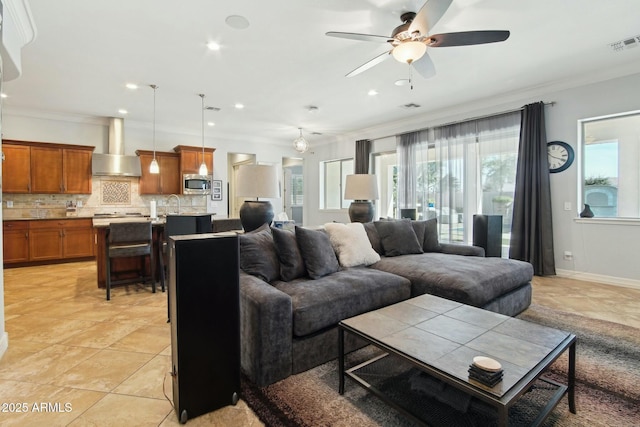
[(552, 103)]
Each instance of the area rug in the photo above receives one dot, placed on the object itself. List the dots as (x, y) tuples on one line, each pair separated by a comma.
[(607, 387)]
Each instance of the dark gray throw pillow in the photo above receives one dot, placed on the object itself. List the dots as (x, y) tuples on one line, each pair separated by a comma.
[(398, 237), (374, 238), (258, 255), (291, 262), (430, 242), (317, 252)]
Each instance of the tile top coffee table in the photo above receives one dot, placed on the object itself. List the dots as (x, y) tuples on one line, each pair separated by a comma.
[(441, 337)]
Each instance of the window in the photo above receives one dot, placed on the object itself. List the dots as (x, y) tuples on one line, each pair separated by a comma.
[(609, 178), (455, 171), (333, 175), (385, 167)]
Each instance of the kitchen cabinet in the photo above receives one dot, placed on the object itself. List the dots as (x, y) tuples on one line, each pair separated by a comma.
[(47, 168), (168, 181), (48, 240), (191, 158), (15, 243), (16, 168)]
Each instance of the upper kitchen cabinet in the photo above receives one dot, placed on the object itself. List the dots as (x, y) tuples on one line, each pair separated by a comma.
[(45, 168), (191, 158), (167, 181), (16, 168)]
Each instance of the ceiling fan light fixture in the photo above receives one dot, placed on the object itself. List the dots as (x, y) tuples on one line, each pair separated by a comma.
[(300, 144), (409, 51)]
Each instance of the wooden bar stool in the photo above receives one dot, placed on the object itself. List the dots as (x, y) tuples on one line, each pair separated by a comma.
[(130, 239)]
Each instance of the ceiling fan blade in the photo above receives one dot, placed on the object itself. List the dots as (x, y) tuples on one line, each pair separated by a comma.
[(465, 38), (361, 37), (369, 64), (424, 66), (428, 15)]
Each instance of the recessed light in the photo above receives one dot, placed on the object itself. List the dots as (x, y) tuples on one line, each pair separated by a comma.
[(402, 82), (3, 95), (238, 22), (239, 106), (213, 46), (372, 92), (131, 86), (211, 124), (123, 111)]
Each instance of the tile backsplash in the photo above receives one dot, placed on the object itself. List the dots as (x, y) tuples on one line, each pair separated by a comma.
[(109, 195)]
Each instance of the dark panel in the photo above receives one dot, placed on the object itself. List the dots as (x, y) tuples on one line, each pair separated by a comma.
[(205, 322)]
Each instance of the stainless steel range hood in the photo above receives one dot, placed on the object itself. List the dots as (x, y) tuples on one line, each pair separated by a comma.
[(115, 163)]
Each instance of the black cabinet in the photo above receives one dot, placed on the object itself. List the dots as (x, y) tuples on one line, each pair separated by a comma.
[(487, 233), (204, 303)]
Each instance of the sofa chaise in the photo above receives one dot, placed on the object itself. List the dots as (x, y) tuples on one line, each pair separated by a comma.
[(295, 286)]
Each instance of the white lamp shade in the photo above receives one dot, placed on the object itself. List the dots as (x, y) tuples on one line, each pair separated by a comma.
[(361, 187), (409, 51), (257, 181)]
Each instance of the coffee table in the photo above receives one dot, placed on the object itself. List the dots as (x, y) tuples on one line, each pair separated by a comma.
[(440, 337)]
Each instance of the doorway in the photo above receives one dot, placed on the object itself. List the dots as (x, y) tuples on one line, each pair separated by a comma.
[(293, 188), (234, 161)]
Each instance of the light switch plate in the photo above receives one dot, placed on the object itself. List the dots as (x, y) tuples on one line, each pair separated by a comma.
[(9, 203), (567, 206)]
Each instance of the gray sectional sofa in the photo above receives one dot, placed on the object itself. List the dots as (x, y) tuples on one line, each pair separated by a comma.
[(295, 286)]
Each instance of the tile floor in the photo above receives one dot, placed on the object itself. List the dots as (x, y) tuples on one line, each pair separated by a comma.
[(108, 362)]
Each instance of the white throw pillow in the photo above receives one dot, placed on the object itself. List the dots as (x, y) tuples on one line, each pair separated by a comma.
[(351, 244)]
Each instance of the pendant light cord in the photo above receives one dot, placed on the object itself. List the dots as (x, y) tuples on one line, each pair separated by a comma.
[(154, 87)]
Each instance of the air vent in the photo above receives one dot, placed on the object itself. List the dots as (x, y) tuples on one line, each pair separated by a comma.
[(625, 44), (212, 108), (410, 106)]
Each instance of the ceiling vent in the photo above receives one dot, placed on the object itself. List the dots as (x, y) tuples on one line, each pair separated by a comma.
[(625, 44), (410, 106)]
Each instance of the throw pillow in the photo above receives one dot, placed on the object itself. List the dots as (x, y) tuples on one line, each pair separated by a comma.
[(317, 253), (291, 262), (258, 254), (398, 237), (373, 236), (430, 242), (351, 244)]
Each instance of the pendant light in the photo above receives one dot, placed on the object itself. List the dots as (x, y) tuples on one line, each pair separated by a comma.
[(203, 167), (300, 144), (154, 167)]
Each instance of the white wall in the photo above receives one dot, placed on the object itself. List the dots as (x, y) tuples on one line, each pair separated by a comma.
[(606, 252)]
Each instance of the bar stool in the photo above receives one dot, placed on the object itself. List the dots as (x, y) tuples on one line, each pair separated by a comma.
[(129, 239)]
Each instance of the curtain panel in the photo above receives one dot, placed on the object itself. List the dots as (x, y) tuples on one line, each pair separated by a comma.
[(363, 151), (407, 147), (532, 230)]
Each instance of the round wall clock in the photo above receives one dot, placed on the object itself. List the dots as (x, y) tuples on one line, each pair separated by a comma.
[(560, 155)]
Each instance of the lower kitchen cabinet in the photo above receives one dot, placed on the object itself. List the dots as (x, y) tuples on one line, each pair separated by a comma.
[(47, 240), (15, 243)]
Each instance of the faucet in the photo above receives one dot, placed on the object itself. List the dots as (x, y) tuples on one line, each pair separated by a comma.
[(178, 199)]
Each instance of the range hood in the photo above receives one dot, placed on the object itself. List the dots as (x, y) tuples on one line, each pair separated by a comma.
[(115, 163)]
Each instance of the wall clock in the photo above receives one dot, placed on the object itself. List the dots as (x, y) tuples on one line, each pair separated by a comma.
[(560, 156)]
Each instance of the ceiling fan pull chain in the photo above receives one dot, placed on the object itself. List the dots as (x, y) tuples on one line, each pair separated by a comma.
[(411, 76)]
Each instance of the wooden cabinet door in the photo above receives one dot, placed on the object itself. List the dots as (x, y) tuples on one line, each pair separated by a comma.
[(77, 238), (149, 183), (192, 159), (45, 240), (76, 166), (15, 243), (170, 178), (16, 169), (46, 170)]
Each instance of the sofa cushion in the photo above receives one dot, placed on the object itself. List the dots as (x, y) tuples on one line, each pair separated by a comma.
[(291, 262), (398, 238), (317, 252), (351, 244), (430, 241), (258, 255), (467, 279), (318, 304), (374, 237)]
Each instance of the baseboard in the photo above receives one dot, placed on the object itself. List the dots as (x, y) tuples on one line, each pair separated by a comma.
[(599, 278), (4, 344)]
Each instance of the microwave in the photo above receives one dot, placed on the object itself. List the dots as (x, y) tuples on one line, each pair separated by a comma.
[(196, 184)]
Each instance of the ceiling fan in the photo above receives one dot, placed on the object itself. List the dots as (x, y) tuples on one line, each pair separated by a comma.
[(410, 40)]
